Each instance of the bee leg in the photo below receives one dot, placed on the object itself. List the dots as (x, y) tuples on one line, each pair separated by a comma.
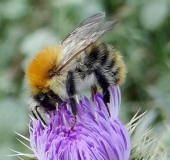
[(39, 115), (74, 110), (93, 91), (106, 98), (104, 84), (71, 91)]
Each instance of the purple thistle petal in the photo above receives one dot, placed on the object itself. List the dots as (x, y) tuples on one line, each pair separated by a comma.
[(96, 136), (115, 101)]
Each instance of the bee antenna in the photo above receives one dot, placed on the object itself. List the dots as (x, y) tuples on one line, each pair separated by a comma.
[(39, 115)]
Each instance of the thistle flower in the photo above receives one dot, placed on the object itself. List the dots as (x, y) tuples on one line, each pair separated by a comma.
[(144, 144), (95, 136)]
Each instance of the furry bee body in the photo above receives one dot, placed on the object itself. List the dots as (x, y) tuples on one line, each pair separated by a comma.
[(58, 73)]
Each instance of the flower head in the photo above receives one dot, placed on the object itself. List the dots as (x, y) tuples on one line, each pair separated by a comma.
[(95, 136)]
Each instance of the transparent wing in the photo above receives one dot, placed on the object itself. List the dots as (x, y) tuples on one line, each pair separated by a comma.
[(83, 36)]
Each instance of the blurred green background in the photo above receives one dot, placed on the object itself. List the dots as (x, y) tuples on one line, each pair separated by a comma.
[(142, 35)]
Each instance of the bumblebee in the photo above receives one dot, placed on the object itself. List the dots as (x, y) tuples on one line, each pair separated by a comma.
[(57, 73)]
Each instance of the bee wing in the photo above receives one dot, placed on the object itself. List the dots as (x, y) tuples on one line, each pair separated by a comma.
[(83, 36)]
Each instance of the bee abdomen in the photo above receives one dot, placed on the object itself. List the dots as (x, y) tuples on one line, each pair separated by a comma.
[(97, 55), (107, 59), (119, 68)]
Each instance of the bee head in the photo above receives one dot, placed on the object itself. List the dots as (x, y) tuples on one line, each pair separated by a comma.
[(45, 101)]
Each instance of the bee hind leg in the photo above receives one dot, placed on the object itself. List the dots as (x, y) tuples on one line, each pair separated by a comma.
[(104, 84), (106, 98)]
